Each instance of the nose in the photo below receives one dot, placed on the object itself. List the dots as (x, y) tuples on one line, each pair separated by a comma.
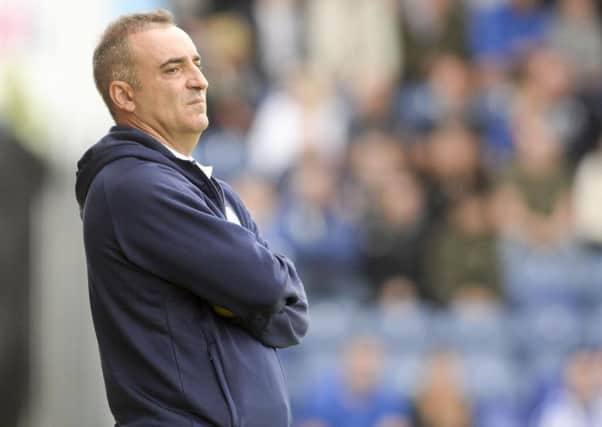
[(197, 80)]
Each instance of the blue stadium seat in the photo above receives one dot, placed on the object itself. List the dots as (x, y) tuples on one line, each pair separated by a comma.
[(330, 327), (490, 377), (498, 412), (532, 278), (545, 335), (593, 328), (589, 277), (405, 373), (405, 330), (475, 329)]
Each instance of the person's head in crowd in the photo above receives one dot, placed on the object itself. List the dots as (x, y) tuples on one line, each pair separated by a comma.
[(545, 75), (583, 375), (375, 157), (575, 400), (228, 51), (436, 10), (362, 397), (442, 400), (429, 28), (453, 152), (148, 72), (396, 292), (228, 35), (533, 196), (472, 212), (363, 359), (538, 149), (308, 88), (463, 250), (577, 35), (313, 180), (401, 201), (232, 113), (260, 197), (372, 102), (577, 9), (525, 6), (449, 79), (548, 89), (428, 15)]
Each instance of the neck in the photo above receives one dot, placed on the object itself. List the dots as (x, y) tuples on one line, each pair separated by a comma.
[(183, 144)]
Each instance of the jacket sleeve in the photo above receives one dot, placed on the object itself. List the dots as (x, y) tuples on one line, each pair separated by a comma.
[(288, 326), (167, 229)]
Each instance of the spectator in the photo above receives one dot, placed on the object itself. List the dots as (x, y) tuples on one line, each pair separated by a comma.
[(356, 396), (280, 29), (586, 200), (225, 145), (441, 401), (304, 115), (430, 27), (229, 52), (395, 293), (533, 197), (374, 158), (261, 199), (372, 104), (546, 89), (500, 36), (321, 241), (453, 166), (446, 95), (577, 401), (394, 231), (576, 33), (461, 262), (347, 42)]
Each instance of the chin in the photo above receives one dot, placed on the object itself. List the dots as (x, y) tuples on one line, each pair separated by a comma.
[(199, 125), (204, 124)]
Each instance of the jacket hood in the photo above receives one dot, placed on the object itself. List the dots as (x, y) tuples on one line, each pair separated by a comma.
[(121, 141)]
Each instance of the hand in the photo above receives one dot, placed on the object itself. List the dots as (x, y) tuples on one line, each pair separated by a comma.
[(223, 312)]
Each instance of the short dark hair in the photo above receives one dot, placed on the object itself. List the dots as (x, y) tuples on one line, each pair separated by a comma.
[(113, 58)]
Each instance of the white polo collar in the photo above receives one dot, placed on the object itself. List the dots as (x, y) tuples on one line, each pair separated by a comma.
[(207, 170)]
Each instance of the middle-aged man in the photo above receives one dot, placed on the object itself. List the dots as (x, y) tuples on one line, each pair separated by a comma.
[(189, 303)]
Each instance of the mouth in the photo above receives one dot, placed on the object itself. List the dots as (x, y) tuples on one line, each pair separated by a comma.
[(197, 101)]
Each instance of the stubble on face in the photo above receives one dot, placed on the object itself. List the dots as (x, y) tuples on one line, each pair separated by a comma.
[(171, 98)]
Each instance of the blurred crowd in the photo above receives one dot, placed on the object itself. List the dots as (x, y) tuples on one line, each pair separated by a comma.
[(434, 169)]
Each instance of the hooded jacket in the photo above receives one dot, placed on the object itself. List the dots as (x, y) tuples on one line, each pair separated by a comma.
[(160, 256)]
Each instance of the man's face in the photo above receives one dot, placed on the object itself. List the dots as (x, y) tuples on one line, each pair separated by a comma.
[(172, 93)]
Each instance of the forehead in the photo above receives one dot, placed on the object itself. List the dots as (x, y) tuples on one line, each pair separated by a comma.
[(157, 45)]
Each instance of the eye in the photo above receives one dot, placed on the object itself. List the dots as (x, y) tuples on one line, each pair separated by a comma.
[(172, 70)]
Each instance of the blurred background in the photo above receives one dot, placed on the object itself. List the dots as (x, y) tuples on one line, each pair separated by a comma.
[(433, 167)]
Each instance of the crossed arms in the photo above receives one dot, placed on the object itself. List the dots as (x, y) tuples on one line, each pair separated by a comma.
[(164, 226)]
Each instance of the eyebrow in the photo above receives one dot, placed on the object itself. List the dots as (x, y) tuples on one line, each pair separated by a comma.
[(179, 60)]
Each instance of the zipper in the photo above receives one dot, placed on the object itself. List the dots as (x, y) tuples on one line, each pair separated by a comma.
[(221, 380), (215, 189), (216, 196), (219, 193)]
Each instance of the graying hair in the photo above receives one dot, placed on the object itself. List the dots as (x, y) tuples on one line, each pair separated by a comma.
[(113, 58)]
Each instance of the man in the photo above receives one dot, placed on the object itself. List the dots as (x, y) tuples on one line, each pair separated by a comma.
[(189, 303)]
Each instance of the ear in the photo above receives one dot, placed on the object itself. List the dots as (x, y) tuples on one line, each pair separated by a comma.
[(122, 95)]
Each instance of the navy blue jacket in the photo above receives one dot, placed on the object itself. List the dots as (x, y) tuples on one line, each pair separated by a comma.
[(160, 255)]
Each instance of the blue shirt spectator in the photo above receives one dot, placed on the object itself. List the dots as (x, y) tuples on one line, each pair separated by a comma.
[(505, 33), (355, 395)]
